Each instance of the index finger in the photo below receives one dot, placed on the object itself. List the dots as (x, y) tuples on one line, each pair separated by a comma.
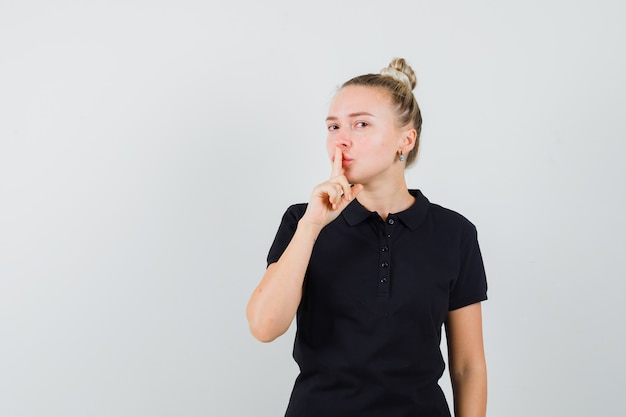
[(337, 164)]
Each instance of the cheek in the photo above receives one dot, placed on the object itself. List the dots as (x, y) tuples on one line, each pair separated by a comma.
[(383, 148)]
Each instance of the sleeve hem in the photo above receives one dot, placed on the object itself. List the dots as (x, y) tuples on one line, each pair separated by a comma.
[(477, 298)]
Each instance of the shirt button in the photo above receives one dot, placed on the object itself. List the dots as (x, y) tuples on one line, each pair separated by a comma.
[(385, 248), (385, 265), (390, 221), (388, 235), (383, 280)]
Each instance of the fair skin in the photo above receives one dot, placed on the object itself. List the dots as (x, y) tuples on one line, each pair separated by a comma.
[(466, 357), (363, 144)]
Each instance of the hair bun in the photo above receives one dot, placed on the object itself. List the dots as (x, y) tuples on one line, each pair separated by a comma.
[(399, 70)]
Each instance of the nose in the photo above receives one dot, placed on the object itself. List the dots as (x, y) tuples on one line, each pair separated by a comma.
[(342, 140)]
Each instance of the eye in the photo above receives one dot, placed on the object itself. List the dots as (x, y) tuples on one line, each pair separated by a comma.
[(333, 127), (362, 124)]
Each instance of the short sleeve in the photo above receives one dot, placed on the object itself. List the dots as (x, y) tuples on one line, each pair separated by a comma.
[(471, 284), (285, 232)]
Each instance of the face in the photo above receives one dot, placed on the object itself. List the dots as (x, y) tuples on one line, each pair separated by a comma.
[(362, 123)]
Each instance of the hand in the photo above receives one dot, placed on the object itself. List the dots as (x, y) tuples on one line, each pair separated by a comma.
[(329, 198)]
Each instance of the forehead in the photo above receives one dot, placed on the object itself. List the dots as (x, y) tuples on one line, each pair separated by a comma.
[(355, 99)]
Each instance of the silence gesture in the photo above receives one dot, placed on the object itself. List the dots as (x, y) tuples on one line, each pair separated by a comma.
[(329, 198)]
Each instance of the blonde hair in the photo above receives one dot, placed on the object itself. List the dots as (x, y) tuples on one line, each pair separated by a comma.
[(398, 79)]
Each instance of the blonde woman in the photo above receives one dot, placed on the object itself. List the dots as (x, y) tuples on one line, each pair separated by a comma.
[(372, 271)]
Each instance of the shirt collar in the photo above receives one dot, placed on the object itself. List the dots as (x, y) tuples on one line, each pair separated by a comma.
[(355, 213)]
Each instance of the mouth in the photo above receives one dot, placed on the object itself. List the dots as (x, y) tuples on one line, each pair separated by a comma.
[(344, 160)]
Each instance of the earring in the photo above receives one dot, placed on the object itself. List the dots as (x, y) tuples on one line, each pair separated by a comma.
[(401, 157)]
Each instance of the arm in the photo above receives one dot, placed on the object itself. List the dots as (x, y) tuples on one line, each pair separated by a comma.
[(275, 300), (468, 369)]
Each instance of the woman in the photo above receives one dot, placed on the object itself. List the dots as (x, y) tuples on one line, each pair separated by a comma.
[(373, 270)]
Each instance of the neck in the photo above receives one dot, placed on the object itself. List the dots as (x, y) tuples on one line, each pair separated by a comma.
[(386, 198)]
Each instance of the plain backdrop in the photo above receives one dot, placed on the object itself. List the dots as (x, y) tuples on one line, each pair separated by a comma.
[(148, 150)]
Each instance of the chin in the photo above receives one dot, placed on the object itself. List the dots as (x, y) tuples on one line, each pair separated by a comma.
[(353, 179)]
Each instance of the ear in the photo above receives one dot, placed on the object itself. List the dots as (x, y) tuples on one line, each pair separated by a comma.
[(408, 139)]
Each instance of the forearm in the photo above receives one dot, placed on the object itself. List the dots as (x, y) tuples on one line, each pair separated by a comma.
[(469, 387), (275, 301)]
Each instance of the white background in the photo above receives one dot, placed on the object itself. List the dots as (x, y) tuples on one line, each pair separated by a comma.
[(149, 148)]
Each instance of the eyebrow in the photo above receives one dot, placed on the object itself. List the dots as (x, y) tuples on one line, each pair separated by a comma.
[(362, 113)]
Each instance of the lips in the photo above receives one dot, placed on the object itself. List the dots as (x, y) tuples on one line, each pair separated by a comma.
[(345, 160)]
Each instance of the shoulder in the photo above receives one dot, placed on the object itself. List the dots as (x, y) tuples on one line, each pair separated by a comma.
[(449, 216), (296, 210), (293, 214), (446, 218)]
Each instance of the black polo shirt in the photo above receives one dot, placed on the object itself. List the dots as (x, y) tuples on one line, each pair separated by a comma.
[(376, 294)]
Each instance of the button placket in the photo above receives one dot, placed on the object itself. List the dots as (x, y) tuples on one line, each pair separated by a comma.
[(384, 267)]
